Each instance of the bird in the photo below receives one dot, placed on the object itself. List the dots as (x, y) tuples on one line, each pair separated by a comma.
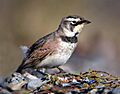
[(54, 49)]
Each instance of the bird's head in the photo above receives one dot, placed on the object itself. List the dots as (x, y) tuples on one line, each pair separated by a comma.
[(72, 25)]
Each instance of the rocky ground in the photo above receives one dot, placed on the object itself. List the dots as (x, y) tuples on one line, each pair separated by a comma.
[(90, 82)]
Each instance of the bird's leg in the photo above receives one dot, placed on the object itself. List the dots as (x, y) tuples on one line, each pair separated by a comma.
[(42, 71), (61, 70)]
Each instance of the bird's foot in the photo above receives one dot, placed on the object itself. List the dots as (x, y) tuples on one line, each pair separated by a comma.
[(41, 72), (61, 70)]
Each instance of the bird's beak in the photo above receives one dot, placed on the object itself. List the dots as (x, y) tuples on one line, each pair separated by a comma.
[(86, 21), (83, 21)]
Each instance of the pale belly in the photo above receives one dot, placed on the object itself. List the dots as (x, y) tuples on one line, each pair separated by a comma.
[(61, 56)]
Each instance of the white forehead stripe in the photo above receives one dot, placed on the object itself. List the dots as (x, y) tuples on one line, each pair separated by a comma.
[(73, 19)]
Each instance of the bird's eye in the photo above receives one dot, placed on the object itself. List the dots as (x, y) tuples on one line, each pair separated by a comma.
[(74, 22)]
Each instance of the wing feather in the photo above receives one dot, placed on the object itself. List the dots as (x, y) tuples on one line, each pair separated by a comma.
[(37, 52)]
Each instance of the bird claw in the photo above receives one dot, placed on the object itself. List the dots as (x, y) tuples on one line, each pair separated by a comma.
[(61, 70)]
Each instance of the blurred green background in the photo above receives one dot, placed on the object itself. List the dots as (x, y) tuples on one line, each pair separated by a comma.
[(22, 22)]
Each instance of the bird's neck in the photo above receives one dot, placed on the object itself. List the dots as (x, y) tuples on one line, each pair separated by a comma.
[(68, 36)]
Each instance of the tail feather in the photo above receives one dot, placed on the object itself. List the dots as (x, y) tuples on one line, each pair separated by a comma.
[(24, 51)]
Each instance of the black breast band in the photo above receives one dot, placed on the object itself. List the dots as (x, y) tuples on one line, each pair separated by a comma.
[(73, 39)]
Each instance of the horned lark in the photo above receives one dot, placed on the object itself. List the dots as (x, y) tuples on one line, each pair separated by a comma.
[(54, 49)]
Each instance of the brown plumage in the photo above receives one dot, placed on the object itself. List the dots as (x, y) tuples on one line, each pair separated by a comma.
[(38, 51)]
